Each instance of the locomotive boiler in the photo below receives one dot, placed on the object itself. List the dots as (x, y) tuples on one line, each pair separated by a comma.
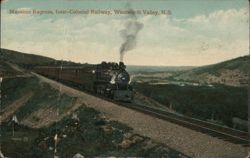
[(106, 79)]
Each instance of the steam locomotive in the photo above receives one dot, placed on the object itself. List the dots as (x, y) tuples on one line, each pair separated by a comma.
[(106, 79)]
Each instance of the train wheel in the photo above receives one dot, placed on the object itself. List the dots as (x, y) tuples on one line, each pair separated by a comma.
[(102, 92), (111, 95), (99, 90)]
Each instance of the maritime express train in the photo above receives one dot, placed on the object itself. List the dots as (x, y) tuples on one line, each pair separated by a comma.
[(106, 79)]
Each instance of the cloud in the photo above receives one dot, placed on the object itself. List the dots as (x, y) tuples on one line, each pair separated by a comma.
[(199, 40), (222, 34)]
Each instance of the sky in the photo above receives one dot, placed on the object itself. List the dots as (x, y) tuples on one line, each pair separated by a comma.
[(197, 32)]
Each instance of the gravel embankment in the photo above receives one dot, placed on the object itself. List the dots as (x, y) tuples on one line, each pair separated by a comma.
[(189, 142)]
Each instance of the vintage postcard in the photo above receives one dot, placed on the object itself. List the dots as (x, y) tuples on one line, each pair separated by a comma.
[(124, 78)]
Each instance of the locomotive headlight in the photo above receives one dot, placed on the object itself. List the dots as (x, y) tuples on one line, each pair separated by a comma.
[(93, 71)]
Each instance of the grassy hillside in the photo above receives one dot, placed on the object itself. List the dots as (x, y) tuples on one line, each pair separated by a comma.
[(28, 61), (83, 130), (7, 71), (240, 63), (43, 96), (43, 111), (233, 72), (220, 103), (23, 58)]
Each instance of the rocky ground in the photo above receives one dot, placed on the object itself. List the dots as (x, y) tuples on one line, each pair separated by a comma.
[(86, 132)]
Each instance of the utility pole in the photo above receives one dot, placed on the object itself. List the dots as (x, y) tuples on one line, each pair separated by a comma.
[(1, 79), (249, 102)]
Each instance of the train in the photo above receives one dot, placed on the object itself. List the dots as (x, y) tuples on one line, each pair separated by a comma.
[(107, 79)]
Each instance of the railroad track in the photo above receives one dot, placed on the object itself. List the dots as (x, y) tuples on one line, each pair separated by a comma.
[(221, 132), (225, 133)]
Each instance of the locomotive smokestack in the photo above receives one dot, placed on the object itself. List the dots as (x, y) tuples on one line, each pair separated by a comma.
[(129, 34), (121, 65)]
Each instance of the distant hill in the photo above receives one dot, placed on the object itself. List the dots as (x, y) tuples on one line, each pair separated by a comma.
[(23, 58), (30, 60), (156, 69), (233, 72)]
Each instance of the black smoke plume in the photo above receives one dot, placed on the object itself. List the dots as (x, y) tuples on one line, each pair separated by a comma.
[(129, 34)]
